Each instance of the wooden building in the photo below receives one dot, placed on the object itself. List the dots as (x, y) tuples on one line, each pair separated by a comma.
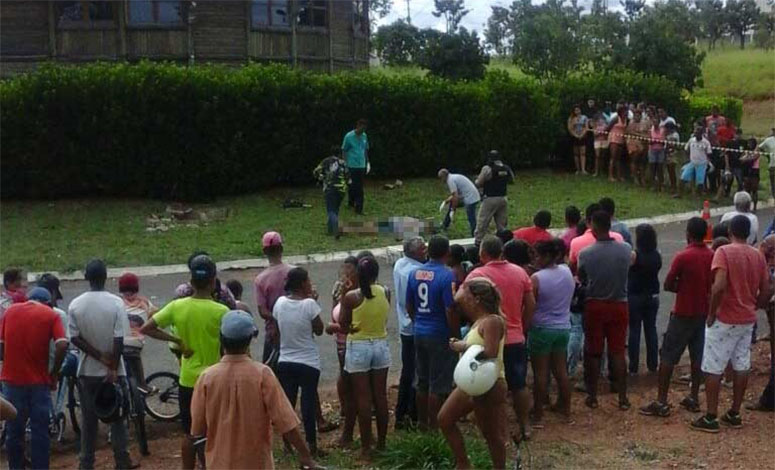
[(325, 35)]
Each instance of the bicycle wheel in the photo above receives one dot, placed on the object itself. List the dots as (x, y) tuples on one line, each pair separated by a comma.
[(163, 405), (136, 417), (72, 405)]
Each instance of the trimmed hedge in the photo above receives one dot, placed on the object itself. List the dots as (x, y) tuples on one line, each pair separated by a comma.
[(167, 131)]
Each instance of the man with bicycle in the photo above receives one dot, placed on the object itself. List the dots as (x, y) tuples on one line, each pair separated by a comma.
[(98, 324), (197, 322)]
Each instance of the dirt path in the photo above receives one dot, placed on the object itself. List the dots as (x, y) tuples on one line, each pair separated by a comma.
[(603, 438)]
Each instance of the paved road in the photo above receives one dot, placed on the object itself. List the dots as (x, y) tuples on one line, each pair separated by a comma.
[(160, 289)]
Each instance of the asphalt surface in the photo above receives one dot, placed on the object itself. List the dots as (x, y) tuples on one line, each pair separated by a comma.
[(160, 289)]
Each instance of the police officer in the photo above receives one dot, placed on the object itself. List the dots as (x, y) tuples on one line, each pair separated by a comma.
[(493, 180)]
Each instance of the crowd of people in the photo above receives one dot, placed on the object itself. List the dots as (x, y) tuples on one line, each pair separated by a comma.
[(525, 298), (643, 138)]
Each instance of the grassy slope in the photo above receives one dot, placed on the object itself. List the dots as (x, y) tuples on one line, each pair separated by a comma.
[(748, 74), (62, 235)]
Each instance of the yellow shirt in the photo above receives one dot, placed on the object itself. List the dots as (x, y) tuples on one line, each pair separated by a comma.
[(370, 317), (473, 337)]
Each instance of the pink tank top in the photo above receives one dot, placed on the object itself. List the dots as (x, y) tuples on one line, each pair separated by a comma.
[(617, 132)]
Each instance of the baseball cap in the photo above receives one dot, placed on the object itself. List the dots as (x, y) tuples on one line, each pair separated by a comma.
[(271, 239), (202, 267), (39, 294), (238, 325), (50, 282), (128, 282), (95, 269)]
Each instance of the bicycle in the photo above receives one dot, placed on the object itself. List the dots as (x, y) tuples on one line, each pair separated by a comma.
[(66, 397), (519, 464), (163, 404), (136, 415)]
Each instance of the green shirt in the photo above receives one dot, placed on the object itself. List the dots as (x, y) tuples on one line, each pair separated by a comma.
[(198, 323), (355, 148)]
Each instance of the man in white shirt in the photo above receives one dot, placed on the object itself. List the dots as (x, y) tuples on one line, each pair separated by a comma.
[(415, 254), (98, 324), (768, 147), (742, 201), (699, 150), (463, 192)]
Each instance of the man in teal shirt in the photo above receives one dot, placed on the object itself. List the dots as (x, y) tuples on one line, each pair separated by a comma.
[(355, 148)]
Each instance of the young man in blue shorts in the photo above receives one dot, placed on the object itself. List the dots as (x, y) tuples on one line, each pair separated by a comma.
[(699, 150), (429, 298)]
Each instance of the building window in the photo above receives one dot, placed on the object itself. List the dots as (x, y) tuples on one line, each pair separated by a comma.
[(270, 13), (86, 13), (156, 12), (313, 13), (361, 17)]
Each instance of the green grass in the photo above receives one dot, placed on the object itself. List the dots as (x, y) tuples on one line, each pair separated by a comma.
[(409, 451), (63, 235), (747, 74)]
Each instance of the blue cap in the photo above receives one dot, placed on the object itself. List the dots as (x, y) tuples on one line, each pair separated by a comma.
[(237, 325), (39, 294)]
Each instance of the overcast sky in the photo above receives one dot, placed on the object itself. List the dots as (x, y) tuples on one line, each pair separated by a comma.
[(422, 16)]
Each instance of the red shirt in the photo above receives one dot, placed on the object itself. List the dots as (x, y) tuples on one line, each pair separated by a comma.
[(25, 332), (746, 274), (724, 134), (533, 235), (513, 283), (691, 269)]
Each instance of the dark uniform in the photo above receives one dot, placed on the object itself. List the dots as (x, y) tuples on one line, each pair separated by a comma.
[(493, 179)]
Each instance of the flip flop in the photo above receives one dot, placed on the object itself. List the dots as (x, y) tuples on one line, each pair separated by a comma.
[(591, 402)]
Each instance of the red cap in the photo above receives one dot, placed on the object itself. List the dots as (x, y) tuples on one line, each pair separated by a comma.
[(271, 239), (128, 282)]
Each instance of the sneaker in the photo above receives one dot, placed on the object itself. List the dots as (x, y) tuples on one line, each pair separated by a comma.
[(655, 408), (691, 404), (733, 421), (705, 424)]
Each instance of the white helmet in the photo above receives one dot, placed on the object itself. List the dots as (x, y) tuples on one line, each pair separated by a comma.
[(474, 376)]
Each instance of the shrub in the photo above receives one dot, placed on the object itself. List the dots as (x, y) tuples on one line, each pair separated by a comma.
[(167, 131), (456, 56), (428, 451), (700, 106)]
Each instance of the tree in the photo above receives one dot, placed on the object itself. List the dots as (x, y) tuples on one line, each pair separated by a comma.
[(764, 36), (397, 43), (741, 16), (453, 12), (712, 20), (632, 8), (657, 46), (603, 32), (497, 34), (380, 8), (547, 43), (456, 56)]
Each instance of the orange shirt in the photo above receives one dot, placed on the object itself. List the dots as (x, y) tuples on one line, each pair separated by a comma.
[(236, 404)]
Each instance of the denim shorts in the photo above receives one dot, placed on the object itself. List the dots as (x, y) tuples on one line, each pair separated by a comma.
[(515, 363), (367, 354), (657, 156)]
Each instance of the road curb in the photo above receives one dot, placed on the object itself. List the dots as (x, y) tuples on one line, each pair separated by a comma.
[(390, 253)]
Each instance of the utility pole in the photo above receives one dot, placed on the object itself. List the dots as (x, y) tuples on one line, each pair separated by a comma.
[(408, 13)]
